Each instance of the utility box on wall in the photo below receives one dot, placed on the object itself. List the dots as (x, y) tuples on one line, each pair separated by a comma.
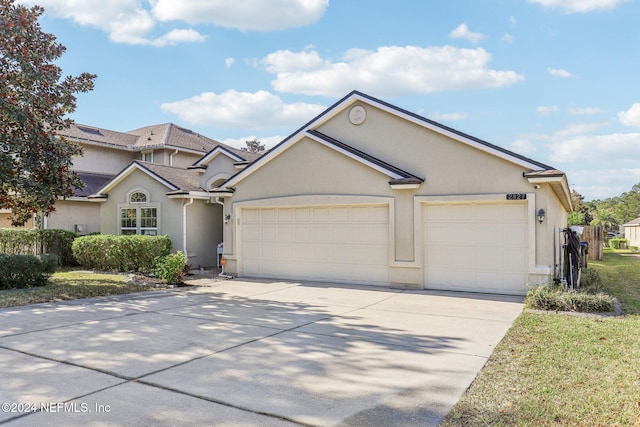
[(81, 229)]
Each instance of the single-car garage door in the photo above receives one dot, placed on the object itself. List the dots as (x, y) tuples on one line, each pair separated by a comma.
[(347, 244), (481, 247)]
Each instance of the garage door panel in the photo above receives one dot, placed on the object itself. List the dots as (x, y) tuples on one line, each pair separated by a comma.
[(336, 243), (476, 246)]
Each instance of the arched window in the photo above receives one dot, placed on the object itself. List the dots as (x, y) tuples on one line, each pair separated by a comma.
[(138, 197), (138, 215)]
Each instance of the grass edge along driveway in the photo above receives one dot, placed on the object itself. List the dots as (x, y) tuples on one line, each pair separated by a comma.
[(558, 369)]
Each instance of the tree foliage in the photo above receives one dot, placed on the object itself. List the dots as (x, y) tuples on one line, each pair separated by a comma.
[(254, 146), (35, 99), (612, 212)]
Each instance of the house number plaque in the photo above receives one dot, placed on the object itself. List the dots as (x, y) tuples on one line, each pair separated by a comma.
[(517, 196)]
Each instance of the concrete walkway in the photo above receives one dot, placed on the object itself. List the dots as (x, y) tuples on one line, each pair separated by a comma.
[(247, 353)]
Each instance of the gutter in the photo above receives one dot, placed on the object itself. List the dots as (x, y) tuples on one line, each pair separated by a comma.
[(184, 227)]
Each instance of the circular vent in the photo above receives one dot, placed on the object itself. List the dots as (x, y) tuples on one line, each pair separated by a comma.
[(357, 115)]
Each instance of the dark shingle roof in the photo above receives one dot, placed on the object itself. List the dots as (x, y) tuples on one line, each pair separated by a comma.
[(92, 183)]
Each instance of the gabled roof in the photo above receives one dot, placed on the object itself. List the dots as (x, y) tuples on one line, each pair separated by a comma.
[(177, 180), (167, 135), (355, 96), (633, 223), (238, 156)]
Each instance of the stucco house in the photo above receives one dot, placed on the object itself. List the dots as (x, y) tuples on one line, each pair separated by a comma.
[(369, 193), (632, 233), (152, 180)]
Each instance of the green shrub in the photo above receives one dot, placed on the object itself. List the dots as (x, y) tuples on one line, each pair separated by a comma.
[(24, 271), (590, 281), (132, 253), (171, 268), (15, 241), (554, 298), (634, 248), (49, 263), (617, 242)]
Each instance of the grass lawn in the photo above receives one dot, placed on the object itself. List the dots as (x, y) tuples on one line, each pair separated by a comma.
[(71, 285), (555, 369)]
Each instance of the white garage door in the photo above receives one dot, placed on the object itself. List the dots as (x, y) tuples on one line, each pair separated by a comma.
[(481, 247), (348, 244)]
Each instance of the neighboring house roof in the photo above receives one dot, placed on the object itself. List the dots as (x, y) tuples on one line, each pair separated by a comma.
[(634, 223), (167, 135), (177, 180), (92, 183)]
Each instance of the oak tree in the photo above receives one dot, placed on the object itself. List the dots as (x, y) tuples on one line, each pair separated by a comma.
[(35, 101)]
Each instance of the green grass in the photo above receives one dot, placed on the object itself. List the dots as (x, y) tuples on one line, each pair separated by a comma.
[(71, 285), (554, 369)]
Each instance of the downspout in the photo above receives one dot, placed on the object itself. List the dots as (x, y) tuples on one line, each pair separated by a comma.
[(171, 157), (184, 226), (222, 274)]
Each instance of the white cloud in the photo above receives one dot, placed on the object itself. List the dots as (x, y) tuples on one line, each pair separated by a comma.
[(233, 109), (523, 146), (229, 62), (285, 61), (559, 72), (267, 141), (512, 21), (388, 71), (258, 15), (579, 6), (579, 129), (462, 31), (128, 21), (546, 109), (584, 111), (617, 148), (602, 183), (507, 38), (174, 37), (447, 116), (631, 117)]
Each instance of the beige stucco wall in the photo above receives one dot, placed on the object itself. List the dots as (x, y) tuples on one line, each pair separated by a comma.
[(203, 224), (69, 213), (632, 234), (449, 168), (5, 222), (220, 167), (170, 214), (103, 160)]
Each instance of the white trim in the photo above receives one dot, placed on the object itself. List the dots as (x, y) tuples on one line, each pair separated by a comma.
[(215, 153), (138, 190), (223, 176), (128, 171), (199, 195), (144, 153), (404, 186)]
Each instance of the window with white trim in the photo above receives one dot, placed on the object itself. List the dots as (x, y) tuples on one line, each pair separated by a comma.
[(147, 156), (138, 216)]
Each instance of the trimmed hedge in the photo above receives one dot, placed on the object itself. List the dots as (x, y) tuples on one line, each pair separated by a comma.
[(14, 241), (132, 253), (25, 271), (617, 242)]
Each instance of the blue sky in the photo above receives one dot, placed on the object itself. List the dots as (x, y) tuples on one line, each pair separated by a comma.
[(555, 80)]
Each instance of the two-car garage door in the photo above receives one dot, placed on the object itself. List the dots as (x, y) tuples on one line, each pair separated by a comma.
[(348, 244), (480, 247), (474, 246)]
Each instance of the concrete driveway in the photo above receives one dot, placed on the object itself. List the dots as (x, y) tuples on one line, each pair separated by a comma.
[(243, 353)]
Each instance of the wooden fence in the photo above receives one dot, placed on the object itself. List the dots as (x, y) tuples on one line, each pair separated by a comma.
[(595, 237)]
